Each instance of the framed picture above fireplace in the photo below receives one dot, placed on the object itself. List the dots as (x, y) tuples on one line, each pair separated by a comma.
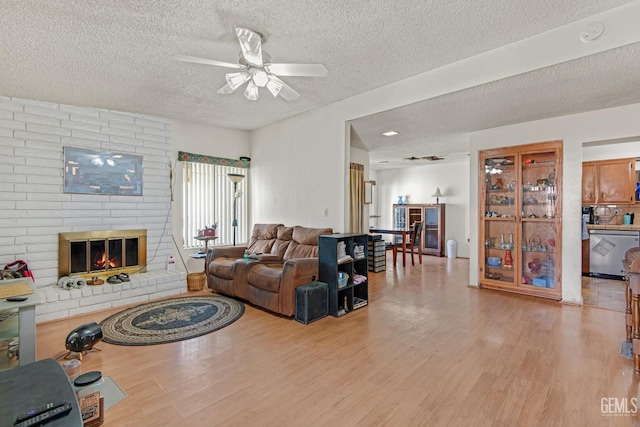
[(102, 172)]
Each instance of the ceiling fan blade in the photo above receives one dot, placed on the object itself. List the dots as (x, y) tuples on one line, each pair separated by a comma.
[(205, 61), (287, 92), (303, 70), (225, 90), (251, 45)]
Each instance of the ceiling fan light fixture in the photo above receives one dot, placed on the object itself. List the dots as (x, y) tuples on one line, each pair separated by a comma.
[(260, 78), (251, 92), (235, 80), (274, 87)]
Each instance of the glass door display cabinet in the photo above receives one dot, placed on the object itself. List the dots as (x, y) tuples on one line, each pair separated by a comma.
[(404, 216), (520, 223), (433, 239)]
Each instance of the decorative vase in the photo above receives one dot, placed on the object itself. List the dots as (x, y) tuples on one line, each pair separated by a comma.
[(511, 245), (400, 202), (508, 261), (503, 244)]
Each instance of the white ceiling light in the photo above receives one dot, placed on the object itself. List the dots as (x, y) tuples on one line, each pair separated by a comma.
[(391, 133), (260, 78), (235, 80), (251, 92), (274, 87)]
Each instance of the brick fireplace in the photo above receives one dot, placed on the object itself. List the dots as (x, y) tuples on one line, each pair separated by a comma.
[(102, 253), (36, 210)]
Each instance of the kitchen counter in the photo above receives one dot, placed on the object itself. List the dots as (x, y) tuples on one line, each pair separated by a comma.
[(632, 227)]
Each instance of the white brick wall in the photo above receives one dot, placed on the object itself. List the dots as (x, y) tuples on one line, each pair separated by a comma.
[(61, 303), (34, 207)]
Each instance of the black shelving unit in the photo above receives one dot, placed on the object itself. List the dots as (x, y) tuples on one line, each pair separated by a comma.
[(351, 296)]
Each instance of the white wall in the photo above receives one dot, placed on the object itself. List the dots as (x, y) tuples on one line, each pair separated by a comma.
[(611, 151), (299, 171), (419, 183), (211, 141), (362, 157), (574, 130)]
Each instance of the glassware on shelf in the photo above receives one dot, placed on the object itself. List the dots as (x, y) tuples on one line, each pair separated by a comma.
[(508, 260)]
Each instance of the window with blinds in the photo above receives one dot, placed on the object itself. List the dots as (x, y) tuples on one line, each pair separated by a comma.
[(208, 198)]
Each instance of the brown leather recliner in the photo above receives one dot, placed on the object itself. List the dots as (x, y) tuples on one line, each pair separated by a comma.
[(272, 284), (227, 269)]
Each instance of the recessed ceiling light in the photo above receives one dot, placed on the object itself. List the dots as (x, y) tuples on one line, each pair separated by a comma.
[(390, 133), (383, 162)]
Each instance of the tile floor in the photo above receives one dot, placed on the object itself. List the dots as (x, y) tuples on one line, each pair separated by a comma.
[(604, 293)]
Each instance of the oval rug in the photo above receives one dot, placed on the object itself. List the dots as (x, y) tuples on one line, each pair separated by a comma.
[(170, 320)]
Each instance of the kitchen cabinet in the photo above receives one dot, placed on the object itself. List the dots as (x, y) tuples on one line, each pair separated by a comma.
[(609, 181), (433, 218), (520, 196), (589, 171)]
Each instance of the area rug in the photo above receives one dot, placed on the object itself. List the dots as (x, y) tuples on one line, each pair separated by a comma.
[(170, 320)]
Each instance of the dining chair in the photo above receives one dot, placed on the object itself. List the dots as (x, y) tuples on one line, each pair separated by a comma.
[(415, 241)]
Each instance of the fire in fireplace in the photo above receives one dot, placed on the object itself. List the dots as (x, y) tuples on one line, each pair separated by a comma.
[(94, 252)]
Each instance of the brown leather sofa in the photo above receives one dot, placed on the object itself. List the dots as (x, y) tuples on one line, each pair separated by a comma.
[(228, 270), (281, 258)]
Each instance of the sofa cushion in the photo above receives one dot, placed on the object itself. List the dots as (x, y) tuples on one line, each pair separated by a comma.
[(266, 276), (305, 242), (222, 267), (285, 234), (262, 238)]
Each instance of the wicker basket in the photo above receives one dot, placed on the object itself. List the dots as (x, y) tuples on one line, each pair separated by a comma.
[(195, 281)]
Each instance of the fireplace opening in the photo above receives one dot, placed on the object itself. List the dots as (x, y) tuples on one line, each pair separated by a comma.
[(90, 253), (131, 252)]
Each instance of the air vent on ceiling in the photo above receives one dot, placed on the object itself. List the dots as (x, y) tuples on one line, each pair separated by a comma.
[(430, 158)]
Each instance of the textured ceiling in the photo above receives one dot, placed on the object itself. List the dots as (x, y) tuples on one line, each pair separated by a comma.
[(439, 126), (116, 54)]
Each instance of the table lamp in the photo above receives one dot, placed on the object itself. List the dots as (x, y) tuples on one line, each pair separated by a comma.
[(437, 195)]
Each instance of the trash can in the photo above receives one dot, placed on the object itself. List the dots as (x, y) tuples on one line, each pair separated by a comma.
[(452, 248)]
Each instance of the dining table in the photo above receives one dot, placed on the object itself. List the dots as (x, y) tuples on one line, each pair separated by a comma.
[(404, 233)]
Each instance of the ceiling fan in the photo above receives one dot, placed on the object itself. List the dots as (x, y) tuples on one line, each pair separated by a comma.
[(255, 67)]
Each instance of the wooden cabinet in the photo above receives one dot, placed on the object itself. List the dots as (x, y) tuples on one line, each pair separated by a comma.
[(433, 218), (433, 230), (609, 181), (520, 224), (589, 176), (339, 255)]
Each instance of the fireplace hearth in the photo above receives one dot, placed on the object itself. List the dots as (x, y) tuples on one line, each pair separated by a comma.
[(93, 253)]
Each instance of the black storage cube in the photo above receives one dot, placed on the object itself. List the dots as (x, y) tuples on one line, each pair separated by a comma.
[(312, 302)]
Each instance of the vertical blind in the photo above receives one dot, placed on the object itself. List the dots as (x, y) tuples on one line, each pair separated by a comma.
[(208, 199)]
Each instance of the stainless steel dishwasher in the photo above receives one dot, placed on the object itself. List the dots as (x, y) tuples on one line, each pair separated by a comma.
[(607, 250)]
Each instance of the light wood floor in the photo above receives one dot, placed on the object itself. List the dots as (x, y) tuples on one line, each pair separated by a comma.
[(604, 293), (427, 351)]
